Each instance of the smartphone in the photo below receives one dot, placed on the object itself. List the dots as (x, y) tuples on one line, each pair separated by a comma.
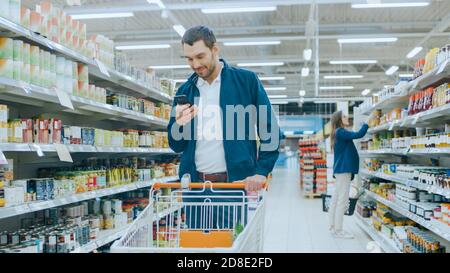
[(181, 99)]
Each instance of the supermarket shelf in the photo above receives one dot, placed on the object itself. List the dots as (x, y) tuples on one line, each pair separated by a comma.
[(438, 230), (28, 147), (42, 205), (433, 116), (405, 151), (398, 100), (408, 182), (432, 78), (20, 92), (104, 237), (387, 244), (114, 77)]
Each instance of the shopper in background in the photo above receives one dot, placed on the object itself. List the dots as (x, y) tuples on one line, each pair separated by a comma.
[(346, 165), (217, 84)]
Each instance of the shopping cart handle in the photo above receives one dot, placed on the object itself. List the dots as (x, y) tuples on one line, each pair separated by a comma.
[(201, 185)]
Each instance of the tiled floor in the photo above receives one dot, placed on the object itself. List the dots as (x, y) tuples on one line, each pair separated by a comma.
[(296, 224)]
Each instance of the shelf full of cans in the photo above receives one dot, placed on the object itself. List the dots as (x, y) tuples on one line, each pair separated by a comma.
[(430, 211), (430, 77), (404, 141), (44, 131), (394, 232), (313, 167), (79, 228), (89, 179), (52, 29)]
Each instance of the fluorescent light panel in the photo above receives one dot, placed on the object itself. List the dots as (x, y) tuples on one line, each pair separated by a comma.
[(337, 87), (277, 96), (101, 15), (343, 77), (390, 5), (275, 88), (169, 66), (392, 70), (414, 52), (179, 29), (406, 75), (275, 78), (252, 43), (261, 64), (353, 62), (366, 40), (365, 92), (279, 102), (136, 47), (237, 10), (179, 80)]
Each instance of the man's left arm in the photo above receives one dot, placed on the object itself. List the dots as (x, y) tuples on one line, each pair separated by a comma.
[(269, 134)]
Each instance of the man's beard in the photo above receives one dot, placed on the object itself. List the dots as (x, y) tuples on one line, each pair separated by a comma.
[(210, 71)]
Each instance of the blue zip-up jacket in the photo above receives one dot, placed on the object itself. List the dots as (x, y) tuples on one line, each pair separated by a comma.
[(346, 158), (238, 87)]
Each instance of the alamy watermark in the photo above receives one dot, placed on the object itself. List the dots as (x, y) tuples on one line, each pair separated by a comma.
[(241, 123)]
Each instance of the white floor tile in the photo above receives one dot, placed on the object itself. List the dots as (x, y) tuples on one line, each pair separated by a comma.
[(295, 224)]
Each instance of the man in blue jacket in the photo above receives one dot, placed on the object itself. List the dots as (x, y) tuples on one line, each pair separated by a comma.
[(215, 132)]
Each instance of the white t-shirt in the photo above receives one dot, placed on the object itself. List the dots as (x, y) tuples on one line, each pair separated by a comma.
[(209, 151)]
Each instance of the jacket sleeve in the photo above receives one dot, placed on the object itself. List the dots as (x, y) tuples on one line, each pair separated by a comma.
[(266, 156), (349, 135), (177, 145)]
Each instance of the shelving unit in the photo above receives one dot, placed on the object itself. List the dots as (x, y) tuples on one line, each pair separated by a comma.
[(387, 244), (6, 212), (439, 230), (111, 78), (30, 100), (433, 118)]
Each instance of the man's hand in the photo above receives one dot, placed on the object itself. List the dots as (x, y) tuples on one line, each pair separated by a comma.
[(185, 113), (254, 183)]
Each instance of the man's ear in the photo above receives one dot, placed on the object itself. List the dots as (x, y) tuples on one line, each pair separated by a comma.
[(216, 49)]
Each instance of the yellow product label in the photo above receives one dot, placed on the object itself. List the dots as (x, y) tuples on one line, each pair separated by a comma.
[(2, 202)]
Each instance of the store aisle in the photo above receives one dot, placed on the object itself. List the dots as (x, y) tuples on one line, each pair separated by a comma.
[(296, 224)]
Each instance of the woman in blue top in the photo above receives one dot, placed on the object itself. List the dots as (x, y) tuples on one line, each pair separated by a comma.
[(346, 165)]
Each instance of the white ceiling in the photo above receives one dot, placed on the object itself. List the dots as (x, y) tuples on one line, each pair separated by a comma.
[(336, 20)]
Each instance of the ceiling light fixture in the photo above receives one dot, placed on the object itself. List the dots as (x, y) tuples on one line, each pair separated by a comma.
[(179, 29), (343, 77), (390, 5), (279, 102), (337, 87), (366, 40), (365, 92), (275, 78), (307, 54), (169, 66), (237, 10), (406, 75), (157, 2), (137, 47), (261, 64), (275, 88), (305, 72), (392, 70), (252, 43), (277, 96), (354, 62), (101, 15), (414, 52)]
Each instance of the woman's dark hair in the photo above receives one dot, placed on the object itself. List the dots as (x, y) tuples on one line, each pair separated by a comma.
[(197, 33), (336, 123)]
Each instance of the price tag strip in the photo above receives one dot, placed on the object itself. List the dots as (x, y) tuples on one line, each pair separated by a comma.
[(102, 67), (64, 98), (3, 160), (63, 153)]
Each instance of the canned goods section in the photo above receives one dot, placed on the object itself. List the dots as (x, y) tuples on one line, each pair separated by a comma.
[(405, 165)]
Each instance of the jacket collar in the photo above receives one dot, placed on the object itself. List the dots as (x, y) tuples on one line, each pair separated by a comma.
[(194, 77)]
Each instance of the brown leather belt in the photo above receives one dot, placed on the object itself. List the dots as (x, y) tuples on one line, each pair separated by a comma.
[(213, 177)]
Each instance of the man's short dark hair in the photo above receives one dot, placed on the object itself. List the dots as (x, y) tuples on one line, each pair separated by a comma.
[(197, 33)]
